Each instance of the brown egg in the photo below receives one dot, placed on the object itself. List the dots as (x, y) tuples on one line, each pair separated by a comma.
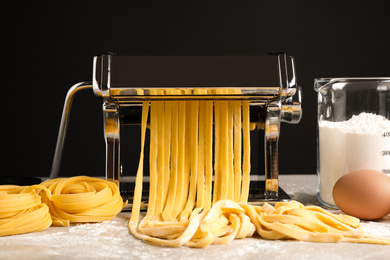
[(364, 194)]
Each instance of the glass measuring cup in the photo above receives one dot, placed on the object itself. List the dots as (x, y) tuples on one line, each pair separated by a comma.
[(353, 129)]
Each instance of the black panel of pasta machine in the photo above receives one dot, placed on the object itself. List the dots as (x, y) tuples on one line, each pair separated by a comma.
[(199, 71)]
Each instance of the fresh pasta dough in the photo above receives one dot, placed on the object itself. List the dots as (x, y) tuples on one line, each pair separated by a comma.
[(57, 202), (186, 207), (22, 211), (82, 199)]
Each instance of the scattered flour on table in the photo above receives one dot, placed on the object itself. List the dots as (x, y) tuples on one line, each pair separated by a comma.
[(112, 240), (378, 228)]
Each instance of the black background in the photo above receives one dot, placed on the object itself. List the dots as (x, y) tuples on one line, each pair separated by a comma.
[(49, 46)]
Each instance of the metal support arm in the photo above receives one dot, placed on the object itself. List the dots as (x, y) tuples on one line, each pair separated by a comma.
[(64, 126)]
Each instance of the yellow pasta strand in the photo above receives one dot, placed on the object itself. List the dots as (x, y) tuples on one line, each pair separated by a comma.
[(230, 151), (161, 175), (246, 167), (194, 160), (217, 140), (181, 178), (173, 163), (224, 151), (139, 177), (167, 141), (187, 154), (152, 162), (237, 149), (201, 156), (208, 154)]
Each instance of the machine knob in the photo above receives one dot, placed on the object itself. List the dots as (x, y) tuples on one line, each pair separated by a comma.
[(291, 107)]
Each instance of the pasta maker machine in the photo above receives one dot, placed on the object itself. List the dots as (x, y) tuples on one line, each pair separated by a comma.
[(123, 82)]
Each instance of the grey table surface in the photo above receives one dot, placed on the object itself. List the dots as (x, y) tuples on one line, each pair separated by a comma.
[(112, 240)]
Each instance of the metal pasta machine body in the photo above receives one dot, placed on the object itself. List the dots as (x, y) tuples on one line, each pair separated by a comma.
[(123, 82)]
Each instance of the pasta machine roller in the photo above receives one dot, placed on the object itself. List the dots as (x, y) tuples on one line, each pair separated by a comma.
[(123, 82)]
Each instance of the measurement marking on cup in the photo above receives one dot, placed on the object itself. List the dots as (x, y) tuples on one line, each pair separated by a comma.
[(386, 134), (385, 152), (386, 171)]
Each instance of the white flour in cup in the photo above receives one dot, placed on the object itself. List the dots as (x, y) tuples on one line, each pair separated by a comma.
[(362, 142)]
